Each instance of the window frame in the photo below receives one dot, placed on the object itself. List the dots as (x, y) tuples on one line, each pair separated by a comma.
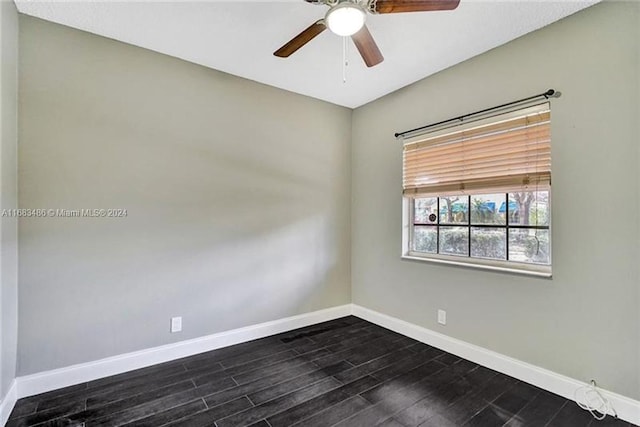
[(471, 188), (507, 266)]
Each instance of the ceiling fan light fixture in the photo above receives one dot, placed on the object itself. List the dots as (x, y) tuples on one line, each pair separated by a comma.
[(345, 19)]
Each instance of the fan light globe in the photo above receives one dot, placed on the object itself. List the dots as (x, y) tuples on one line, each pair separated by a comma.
[(345, 19)]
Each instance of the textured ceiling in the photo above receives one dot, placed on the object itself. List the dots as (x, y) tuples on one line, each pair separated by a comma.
[(239, 37)]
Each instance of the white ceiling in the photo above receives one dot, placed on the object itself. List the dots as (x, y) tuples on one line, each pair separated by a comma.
[(239, 37)]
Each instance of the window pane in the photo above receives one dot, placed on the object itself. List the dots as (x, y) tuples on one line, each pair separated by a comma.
[(528, 208), (529, 245), (454, 240), (425, 211), (425, 239), (485, 209), (489, 242), (454, 210)]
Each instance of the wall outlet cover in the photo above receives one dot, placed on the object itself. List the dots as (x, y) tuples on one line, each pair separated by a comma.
[(176, 324)]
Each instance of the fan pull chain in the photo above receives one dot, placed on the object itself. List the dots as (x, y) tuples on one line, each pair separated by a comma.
[(345, 61)]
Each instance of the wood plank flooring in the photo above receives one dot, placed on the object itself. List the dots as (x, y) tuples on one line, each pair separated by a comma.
[(342, 373)]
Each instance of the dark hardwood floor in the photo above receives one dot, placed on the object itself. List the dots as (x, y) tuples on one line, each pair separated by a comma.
[(342, 373)]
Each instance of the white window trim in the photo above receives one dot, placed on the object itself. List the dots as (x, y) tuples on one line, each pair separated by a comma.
[(504, 266), (536, 270)]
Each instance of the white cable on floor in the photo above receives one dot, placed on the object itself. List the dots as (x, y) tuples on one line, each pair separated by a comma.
[(592, 400)]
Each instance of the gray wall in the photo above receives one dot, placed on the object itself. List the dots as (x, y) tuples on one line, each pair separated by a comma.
[(584, 322), (8, 193), (238, 201), (237, 197)]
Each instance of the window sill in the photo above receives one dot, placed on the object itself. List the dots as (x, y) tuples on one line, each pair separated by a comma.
[(542, 271)]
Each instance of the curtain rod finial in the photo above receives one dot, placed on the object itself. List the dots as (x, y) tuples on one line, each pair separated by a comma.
[(551, 93)]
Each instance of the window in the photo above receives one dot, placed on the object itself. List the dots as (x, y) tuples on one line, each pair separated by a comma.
[(479, 193)]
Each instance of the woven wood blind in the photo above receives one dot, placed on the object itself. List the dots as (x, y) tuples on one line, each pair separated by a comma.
[(507, 152)]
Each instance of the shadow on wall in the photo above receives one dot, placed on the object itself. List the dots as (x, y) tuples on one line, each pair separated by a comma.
[(231, 219)]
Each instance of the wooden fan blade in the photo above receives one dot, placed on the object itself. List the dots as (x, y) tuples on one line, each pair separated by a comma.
[(367, 47), (400, 6), (301, 39)]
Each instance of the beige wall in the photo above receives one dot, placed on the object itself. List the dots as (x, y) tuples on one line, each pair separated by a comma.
[(584, 322), (8, 193), (237, 197)]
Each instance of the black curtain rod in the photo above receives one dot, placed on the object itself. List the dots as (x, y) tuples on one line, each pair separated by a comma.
[(548, 94)]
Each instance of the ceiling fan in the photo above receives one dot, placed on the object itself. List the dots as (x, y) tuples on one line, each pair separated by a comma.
[(347, 18)]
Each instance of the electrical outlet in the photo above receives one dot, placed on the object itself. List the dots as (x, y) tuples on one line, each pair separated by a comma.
[(176, 324), (442, 317)]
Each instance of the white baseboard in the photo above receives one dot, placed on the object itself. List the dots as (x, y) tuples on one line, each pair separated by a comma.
[(50, 380), (626, 408), (9, 401)]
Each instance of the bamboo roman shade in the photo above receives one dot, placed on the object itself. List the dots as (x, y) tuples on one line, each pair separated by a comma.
[(505, 152)]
